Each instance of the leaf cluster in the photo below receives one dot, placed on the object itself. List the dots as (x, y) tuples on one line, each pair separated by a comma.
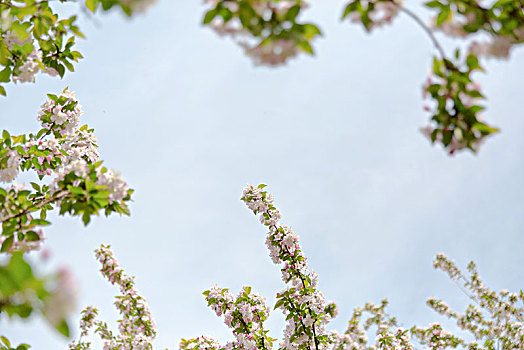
[(266, 21), (22, 293)]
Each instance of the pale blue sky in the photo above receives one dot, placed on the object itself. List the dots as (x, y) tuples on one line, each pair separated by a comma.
[(189, 121)]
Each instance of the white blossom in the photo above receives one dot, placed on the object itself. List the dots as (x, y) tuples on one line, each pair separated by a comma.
[(9, 173)]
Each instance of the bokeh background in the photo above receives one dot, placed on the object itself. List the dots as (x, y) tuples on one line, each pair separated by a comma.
[(190, 121)]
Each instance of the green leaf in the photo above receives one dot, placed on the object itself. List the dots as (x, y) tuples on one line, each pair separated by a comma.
[(69, 66), (8, 243), (5, 341), (503, 3), (484, 129), (210, 15), (5, 75), (305, 46), (433, 4), (40, 222), (75, 190), (351, 7), (123, 209), (61, 70), (292, 13), (475, 109), (443, 16), (63, 328), (86, 218), (446, 138), (32, 236), (27, 48), (310, 31), (90, 185), (21, 270), (20, 29), (2, 91), (19, 139), (438, 67)]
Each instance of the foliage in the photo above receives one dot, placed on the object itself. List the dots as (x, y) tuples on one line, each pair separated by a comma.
[(80, 186), (22, 293), (33, 37), (64, 157), (495, 322), (6, 345), (455, 99), (269, 31), (498, 321)]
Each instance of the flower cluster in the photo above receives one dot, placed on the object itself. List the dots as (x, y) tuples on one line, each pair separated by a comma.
[(200, 343), (272, 53), (137, 329), (456, 121), (117, 187), (63, 300), (61, 113), (79, 185), (502, 20), (28, 237), (29, 241), (397, 340), (372, 13), (493, 316), (453, 28), (81, 144), (267, 30), (363, 318), (43, 156), (245, 314), (456, 112), (9, 165), (87, 321), (29, 65), (306, 310), (57, 145), (435, 337), (499, 46)]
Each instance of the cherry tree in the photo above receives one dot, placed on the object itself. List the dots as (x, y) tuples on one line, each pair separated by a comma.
[(63, 155), (494, 320)]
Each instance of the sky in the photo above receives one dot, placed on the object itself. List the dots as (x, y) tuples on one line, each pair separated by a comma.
[(189, 121)]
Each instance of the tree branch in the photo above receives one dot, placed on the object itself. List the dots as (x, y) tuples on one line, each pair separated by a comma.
[(423, 26), (58, 195)]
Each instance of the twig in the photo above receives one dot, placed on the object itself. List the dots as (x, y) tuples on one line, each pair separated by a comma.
[(424, 26), (36, 206)]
